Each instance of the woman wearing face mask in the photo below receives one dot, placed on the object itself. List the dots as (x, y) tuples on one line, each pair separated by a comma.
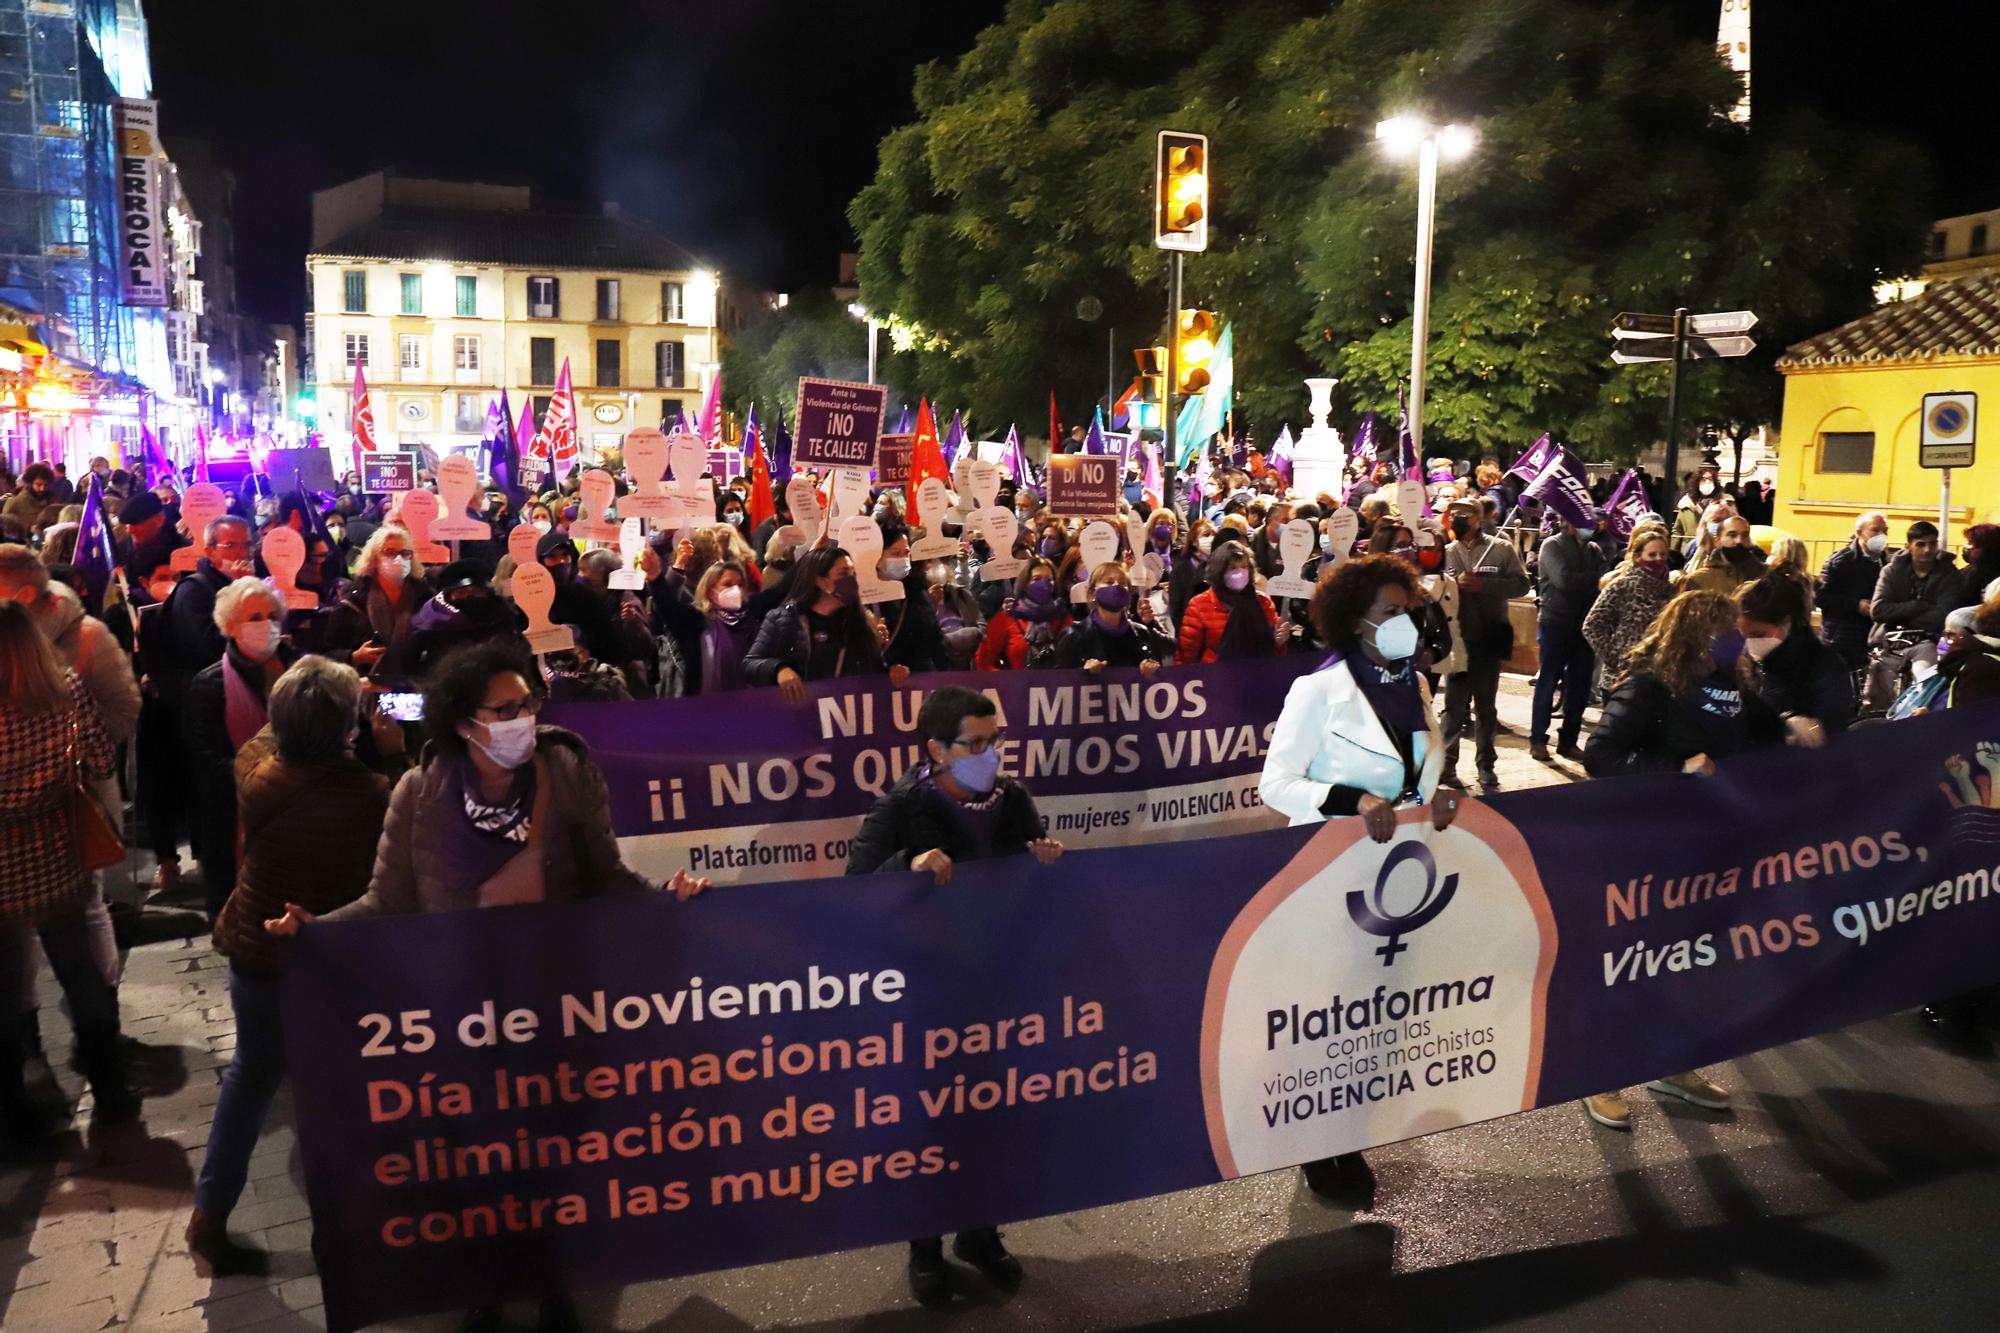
[(1231, 620), (959, 619), (1187, 575), (369, 626), (1681, 702), (225, 707), (1108, 635), (1357, 738), (914, 639), (1801, 679), (1025, 631), (820, 632), (729, 629), (1629, 603), (536, 515)]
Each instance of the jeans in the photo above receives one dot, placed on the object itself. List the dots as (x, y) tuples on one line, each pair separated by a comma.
[(248, 1085), (1566, 662), (1474, 689), (66, 940)]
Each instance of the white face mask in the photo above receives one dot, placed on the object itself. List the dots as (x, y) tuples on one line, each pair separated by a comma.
[(1877, 544), (1396, 637), (896, 570), (509, 744), (394, 568), (542, 526), (730, 598), (1761, 647), (258, 639)]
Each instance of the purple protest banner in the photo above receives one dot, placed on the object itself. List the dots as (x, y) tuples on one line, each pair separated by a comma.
[(839, 423), (1627, 506), (1562, 487), (502, 1102), (1533, 459), (742, 786), (892, 460)]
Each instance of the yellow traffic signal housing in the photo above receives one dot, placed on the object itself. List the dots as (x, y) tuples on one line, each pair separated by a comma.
[(1180, 192), (1194, 347)]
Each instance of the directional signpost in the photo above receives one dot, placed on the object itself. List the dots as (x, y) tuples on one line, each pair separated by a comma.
[(1638, 338)]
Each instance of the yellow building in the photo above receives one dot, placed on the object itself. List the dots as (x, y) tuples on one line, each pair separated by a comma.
[(446, 292), (1852, 401)]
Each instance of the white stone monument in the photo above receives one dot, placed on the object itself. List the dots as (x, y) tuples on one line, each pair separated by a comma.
[(1321, 454)]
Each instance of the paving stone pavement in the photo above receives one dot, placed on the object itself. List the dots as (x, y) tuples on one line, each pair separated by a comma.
[(91, 1231)]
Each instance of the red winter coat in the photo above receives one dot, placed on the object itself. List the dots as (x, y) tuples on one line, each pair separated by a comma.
[(1006, 644), (1206, 618)]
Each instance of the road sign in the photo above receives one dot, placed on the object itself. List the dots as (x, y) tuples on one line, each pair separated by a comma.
[(1950, 421), (1727, 321), (1629, 322), (1693, 349)]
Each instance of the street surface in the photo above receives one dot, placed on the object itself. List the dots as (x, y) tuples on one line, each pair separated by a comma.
[(1853, 1187)]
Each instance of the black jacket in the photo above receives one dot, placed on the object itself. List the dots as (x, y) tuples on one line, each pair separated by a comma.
[(348, 626), (1846, 580), (912, 819), (1803, 676), (192, 642), (1087, 641), (1904, 601), (915, 640), (1567, 570), (782, 642), (1646, 729)]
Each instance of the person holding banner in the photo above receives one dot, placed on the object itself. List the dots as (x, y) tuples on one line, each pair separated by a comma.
[(914, 641), (1110, 635), (820, 631), (1797, 675), (1357, 738), (1024, 632), (728, 628), (954, 806), (369, 627), (1682, 702)]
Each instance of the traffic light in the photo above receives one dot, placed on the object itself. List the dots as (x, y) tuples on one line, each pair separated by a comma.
[(1194, 347), (1152, 371), (1180, 192), (308, 406)]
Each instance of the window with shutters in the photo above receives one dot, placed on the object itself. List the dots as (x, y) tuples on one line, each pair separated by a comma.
[(413, 293), (544, 298), (355, 350), (541, 360), (465, 351), (468, 297), (607, 299), (410, 351), (354, 291), (669, 365), (673, 303)]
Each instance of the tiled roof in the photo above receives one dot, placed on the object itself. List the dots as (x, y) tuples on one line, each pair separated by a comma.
[(512, 238), (1958, 318)]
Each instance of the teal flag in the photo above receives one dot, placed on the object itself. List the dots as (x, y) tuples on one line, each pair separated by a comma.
[(1205, 413)]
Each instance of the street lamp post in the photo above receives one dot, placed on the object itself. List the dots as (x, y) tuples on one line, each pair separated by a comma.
[(1400, 134), (860, 312)]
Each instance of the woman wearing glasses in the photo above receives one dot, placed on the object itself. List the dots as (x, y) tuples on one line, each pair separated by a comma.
[(954, 807)]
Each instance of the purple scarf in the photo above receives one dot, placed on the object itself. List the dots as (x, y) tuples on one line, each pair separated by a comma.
[(476, 838), (723, 643)]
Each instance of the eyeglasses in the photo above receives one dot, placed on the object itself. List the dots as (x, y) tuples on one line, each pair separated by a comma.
[(513, 708), (981, 744), (230, 546)]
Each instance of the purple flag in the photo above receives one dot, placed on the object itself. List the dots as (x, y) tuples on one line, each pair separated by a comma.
[(1407, 462), (1561, 487), (748, 442), (903, 427), (1628, 504), (94, 557), (1281, 453), (781, 450), (1093, 440), (954, 439), (1536, 457), (159, 467)]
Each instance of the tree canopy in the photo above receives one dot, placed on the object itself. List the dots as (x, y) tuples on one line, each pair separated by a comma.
[(1604, 180)]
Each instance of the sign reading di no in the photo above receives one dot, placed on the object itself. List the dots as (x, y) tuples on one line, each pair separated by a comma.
[(1083, 485), (840, 423)]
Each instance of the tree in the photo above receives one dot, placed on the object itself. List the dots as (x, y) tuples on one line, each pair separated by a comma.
[(812, 335), (1605, 180)]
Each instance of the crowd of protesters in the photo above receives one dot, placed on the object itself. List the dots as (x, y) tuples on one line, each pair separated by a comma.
[(279, 740)]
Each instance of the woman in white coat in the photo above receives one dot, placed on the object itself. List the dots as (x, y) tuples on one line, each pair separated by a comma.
[(1357, 738)]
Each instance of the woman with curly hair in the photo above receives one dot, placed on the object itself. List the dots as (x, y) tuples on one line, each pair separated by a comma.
[(1357, 737), (1683, 701)]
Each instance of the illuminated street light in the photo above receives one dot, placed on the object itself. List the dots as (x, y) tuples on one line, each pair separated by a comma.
[(860, 312), (1398, 135)]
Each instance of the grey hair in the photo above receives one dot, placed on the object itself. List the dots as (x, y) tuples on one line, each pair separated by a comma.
[(215, 526), (22, 568), (313, 709), (229, 602), (364, 564)]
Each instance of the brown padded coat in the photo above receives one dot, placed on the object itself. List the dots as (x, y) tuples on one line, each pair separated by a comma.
[(308, 837), (579, 854)]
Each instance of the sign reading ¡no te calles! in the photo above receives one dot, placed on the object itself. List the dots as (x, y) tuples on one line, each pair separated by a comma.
[(141, 229)]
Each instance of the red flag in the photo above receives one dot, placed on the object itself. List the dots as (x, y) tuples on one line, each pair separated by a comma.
[(763, 506), (559, 424), (1055, 425), (362, 423), (926, 460)]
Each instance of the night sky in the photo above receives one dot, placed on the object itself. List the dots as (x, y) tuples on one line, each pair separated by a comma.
[(743, 127)]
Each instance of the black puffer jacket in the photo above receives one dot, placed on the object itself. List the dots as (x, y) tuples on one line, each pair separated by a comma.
[(1804, 677), (1647, 729)]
